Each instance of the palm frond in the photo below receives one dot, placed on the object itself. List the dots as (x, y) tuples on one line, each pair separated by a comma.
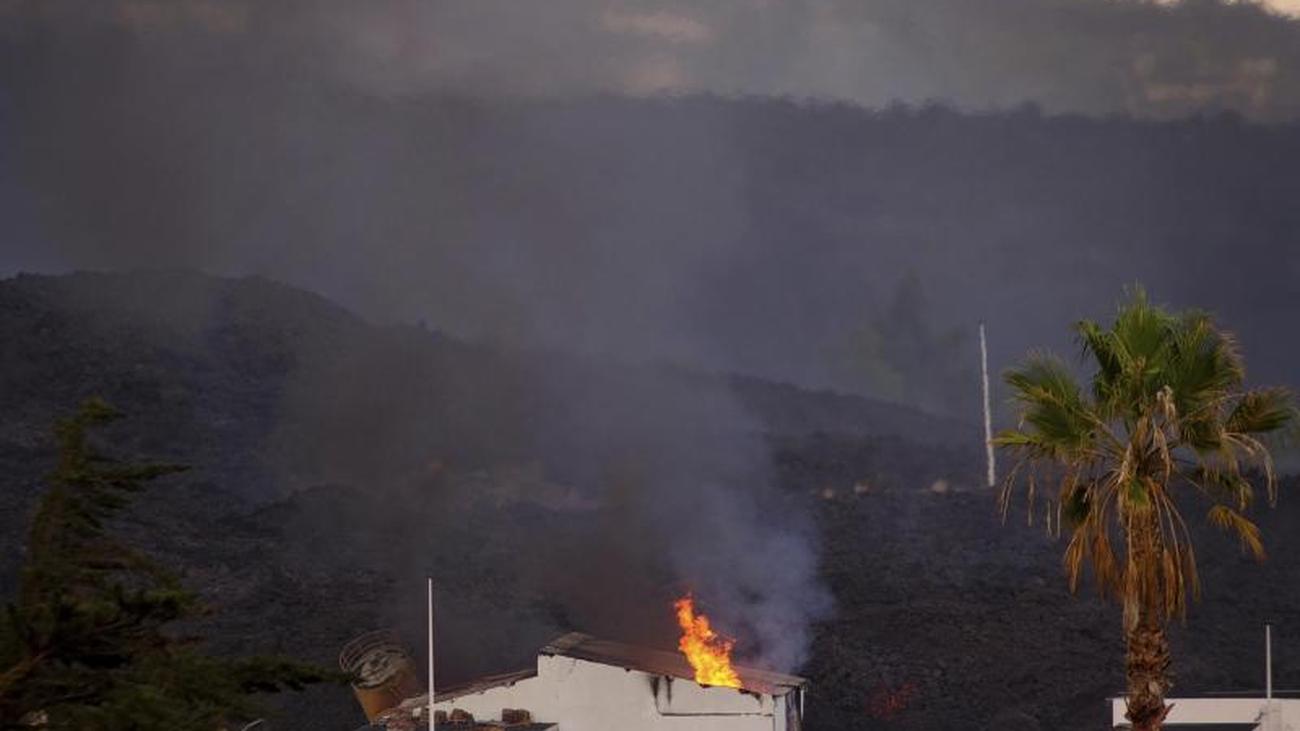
[(1219, 485), (1262, 411), (1230, 520), (1165, 409), (1140, 329), (1203, 361), (1100, 344), (1056, 421)]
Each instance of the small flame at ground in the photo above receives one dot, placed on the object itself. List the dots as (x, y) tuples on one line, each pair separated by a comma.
[(709, 654), (887, 702)]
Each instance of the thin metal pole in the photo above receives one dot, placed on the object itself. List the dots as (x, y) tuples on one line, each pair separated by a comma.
[(1268, 661), (988, 413), (430, 656)]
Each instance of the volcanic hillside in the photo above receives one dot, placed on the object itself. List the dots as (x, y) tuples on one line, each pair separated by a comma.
[(336, 462)]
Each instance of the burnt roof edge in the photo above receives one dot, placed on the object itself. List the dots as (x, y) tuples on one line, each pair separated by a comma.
[(753, 679)]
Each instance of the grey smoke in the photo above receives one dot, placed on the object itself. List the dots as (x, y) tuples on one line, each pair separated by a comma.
[(381, 153), (706, 499), (455, 163), (764, 583)]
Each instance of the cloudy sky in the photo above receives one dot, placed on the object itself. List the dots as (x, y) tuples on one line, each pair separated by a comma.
[(1098, 56), (1290, 7)]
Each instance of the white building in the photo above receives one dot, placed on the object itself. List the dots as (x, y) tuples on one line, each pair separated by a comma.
[(585, 684), (1228, 711), (1222, 714)]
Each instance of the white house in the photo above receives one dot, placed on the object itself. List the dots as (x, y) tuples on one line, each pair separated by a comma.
[(586, 684), (1222, 714), (1228, 711)]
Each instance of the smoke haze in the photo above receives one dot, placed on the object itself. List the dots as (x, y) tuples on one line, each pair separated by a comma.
[(412, 161), (614, 179), (1094, 56)]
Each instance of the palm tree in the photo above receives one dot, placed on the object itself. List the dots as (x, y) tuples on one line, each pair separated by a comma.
[(1166, 415)]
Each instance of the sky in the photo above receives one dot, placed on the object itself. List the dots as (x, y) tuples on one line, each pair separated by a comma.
[(1143, 57), (1289, 7)]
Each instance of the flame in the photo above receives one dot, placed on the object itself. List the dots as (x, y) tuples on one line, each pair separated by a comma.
[(887, 702), (709, 654)]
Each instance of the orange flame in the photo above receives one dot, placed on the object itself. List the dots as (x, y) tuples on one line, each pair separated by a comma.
[(709, 654)]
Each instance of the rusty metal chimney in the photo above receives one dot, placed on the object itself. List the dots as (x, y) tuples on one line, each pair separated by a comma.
[(383, 674)]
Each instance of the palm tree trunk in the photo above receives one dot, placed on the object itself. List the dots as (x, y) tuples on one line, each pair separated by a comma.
[(1147, 647), (1147, 665)]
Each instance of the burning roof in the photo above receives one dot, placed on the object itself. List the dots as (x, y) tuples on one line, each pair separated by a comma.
[(585, 682), (660, 662)]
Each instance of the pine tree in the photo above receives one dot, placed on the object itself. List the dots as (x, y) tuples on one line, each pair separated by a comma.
[(89, 642)]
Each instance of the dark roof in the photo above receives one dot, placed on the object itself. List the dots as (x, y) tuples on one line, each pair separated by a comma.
[(1211, 726), (1258, 694), (659, 662), (479, 685), (477, 726), (494, 726)]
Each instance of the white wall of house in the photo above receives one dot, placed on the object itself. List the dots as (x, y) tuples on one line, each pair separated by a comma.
[(580, 695), (1284, 716)]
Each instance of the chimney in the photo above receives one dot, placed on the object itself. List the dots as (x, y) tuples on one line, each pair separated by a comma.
[(383, 674)]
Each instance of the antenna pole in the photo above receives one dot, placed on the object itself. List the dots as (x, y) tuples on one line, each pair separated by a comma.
[(988, 414), (430, 654), (1268, 661)]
